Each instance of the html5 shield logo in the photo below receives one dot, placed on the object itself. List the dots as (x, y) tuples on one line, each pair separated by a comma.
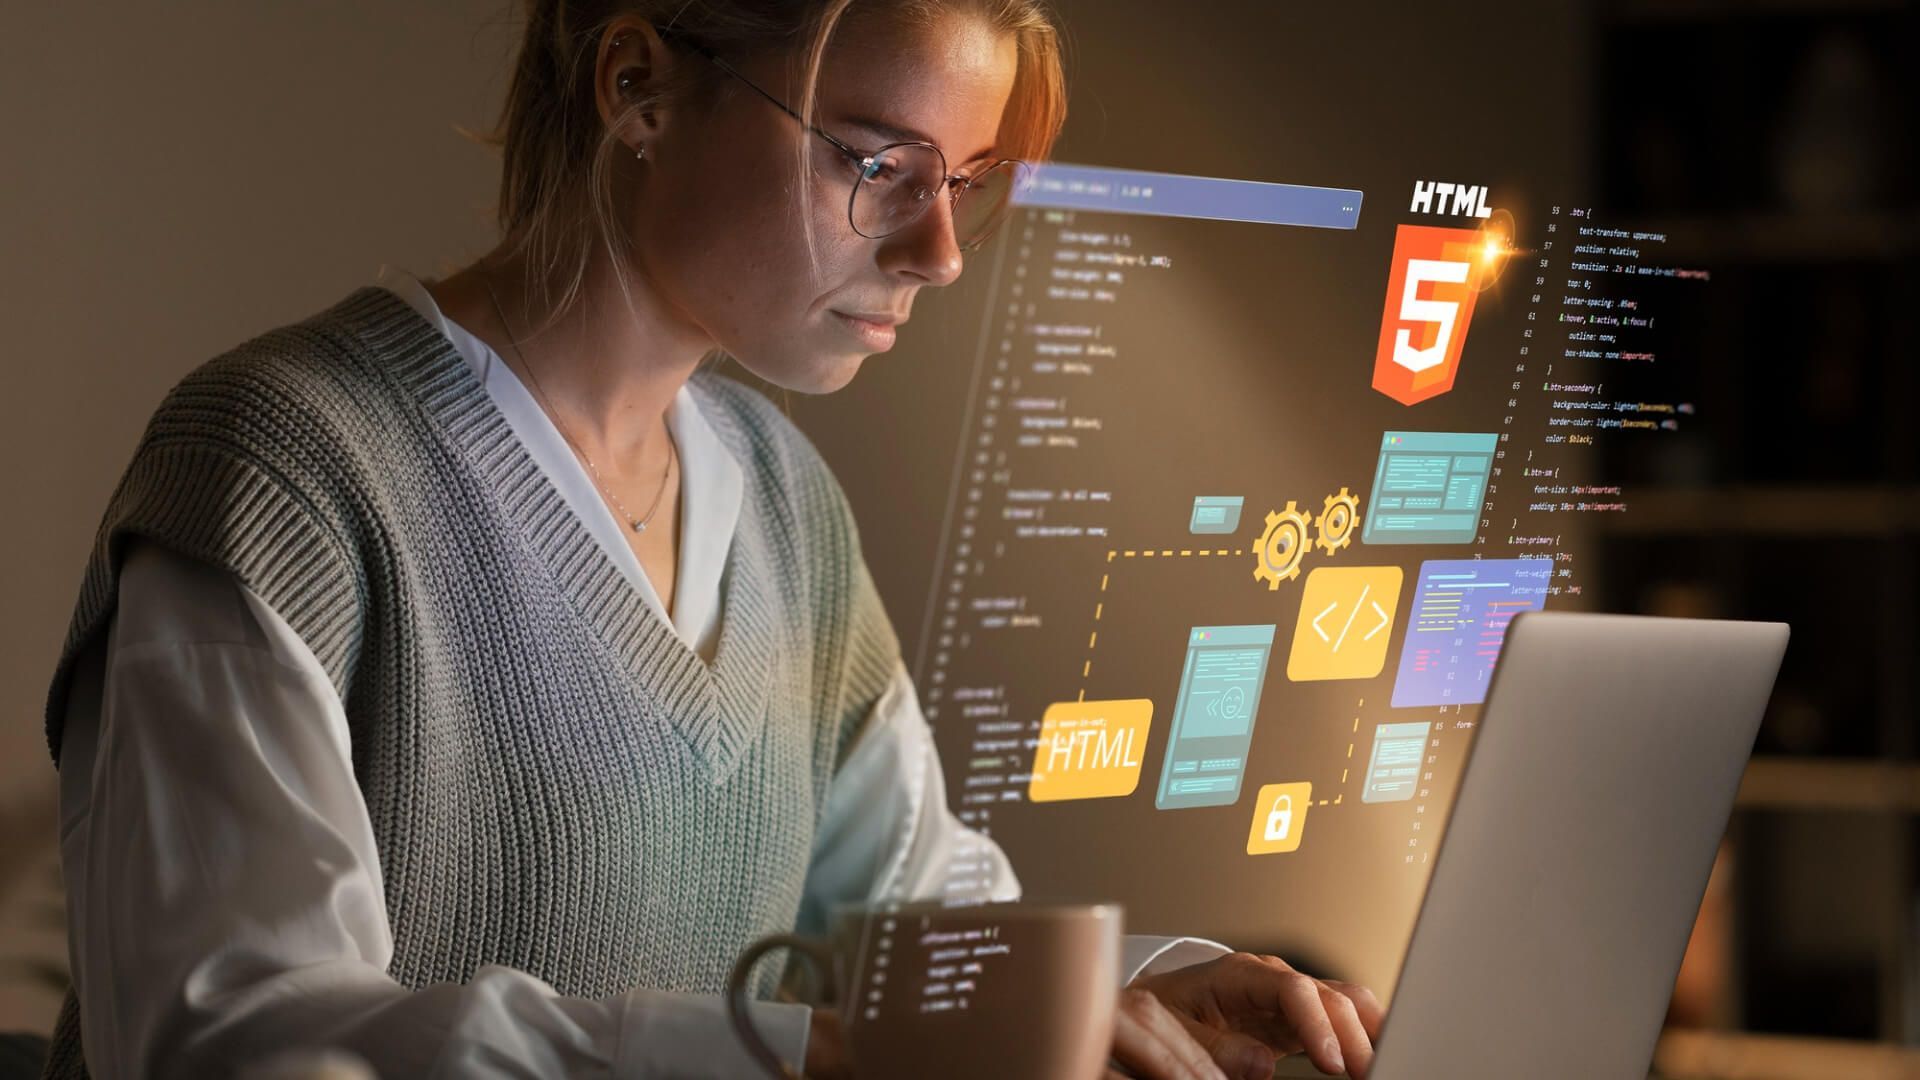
[(1436, 274)]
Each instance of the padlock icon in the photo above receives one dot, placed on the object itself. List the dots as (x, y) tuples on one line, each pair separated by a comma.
[(1280, 818)]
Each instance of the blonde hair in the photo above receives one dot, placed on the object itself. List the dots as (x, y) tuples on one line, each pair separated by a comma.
[(556, 204)]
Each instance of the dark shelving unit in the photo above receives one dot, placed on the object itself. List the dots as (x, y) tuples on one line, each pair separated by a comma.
[(1775, 142)]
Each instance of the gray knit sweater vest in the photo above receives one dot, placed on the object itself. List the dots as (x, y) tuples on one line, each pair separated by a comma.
[(556, 782)]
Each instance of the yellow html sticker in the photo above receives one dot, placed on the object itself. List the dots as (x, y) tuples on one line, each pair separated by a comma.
[(1090, 750)]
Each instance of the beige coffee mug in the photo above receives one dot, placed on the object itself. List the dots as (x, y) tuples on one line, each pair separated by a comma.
[(1020, 991)]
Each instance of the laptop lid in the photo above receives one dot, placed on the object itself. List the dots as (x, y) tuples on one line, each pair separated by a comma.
[(1579, 845)]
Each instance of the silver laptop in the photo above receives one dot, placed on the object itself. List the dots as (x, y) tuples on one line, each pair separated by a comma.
[(1578, 848)]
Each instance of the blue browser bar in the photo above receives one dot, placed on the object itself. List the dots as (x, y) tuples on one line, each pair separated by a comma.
[(1125, 191)]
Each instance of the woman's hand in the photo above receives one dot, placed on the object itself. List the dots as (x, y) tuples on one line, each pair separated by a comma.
[(1149, 1040), (1233, 1016), (1242, 1012)]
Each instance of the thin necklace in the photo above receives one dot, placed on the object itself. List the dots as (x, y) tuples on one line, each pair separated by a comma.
[(638, 524)]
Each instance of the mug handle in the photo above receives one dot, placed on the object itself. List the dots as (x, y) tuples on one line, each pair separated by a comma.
[(817, 953)]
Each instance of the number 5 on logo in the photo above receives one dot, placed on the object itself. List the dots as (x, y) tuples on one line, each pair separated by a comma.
[(1430, 292)]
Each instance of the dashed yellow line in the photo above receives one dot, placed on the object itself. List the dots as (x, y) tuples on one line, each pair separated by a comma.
[(1093, 637), (1099, 607), (1354, 731)]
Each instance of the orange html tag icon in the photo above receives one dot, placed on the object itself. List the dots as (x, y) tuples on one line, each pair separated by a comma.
[(1436, 276)]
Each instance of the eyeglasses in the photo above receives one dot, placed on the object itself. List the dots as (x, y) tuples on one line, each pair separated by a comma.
[(894, 185)]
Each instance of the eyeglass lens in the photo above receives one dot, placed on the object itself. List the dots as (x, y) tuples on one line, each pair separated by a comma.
[(903, 181)]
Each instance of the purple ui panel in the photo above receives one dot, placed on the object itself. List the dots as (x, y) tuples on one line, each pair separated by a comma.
[(1461, 608)]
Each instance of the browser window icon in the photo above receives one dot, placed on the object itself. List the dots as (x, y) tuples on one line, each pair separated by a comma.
[(1215, 514)]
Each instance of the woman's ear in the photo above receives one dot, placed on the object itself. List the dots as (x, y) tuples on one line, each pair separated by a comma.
[(633, 65)]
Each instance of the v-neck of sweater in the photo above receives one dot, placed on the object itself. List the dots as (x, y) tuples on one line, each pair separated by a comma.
[(720, 707), (710, 488)]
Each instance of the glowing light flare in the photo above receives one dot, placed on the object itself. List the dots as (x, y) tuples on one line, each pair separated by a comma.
[(1496, 248)]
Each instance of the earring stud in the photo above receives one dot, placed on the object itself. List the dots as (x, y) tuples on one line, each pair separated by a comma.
[(641, 153)]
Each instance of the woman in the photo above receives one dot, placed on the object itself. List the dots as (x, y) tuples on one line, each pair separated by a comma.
[(462, 676)]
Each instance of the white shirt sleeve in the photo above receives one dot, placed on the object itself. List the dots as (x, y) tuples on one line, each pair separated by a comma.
[(224, 886), (889, 835)]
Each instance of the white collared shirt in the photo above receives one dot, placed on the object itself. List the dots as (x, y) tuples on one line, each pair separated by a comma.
[(224, 886)]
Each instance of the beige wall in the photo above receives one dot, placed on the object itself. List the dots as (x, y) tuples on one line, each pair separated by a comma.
[(178, 177)]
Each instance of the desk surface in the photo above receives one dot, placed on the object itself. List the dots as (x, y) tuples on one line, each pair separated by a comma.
[(1733, 1055)]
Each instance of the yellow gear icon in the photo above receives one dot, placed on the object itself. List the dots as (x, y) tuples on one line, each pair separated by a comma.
[(1333, 529), (1278, 552)]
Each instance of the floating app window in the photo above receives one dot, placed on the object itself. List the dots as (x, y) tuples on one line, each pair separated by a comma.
[(1089, 750), (1432, 284), (1461, 610), (1279, 818), (1393, 768), (1428, 487), (1215, 514), (1346, 619), (1213, 716)]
